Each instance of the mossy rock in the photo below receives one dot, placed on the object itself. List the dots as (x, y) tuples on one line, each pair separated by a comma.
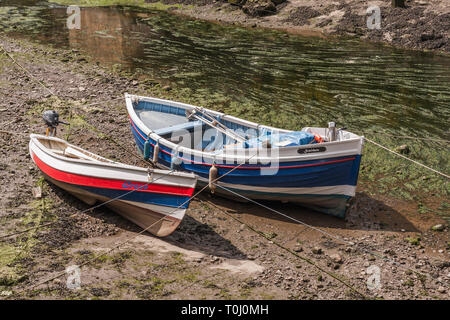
[(438, 227), (259, 8), (413, 241)]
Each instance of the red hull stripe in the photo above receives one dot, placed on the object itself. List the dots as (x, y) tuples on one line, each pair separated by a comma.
[(110, 183), (242, 167)]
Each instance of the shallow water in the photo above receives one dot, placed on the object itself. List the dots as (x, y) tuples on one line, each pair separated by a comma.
[(267, 76)]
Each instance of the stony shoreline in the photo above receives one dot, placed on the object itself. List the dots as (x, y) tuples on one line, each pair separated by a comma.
[(222, 250), (421, 25)]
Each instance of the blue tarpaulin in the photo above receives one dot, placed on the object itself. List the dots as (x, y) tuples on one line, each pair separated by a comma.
[(295, 138)]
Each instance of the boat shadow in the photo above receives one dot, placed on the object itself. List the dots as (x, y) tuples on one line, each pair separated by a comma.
[(191, 234), (365, 213)]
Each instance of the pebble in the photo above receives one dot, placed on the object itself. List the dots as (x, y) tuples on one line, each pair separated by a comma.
[(438, 227), (403, 149), (317, 250), (441, 289), (336, 258)]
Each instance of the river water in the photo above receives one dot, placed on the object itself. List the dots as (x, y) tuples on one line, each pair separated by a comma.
[(267, 76)]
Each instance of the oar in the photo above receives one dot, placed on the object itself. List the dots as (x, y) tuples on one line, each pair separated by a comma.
[(214, 123)]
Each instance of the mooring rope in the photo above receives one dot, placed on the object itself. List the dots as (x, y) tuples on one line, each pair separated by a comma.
[(53, 94), (350, 243), (406, 158), (290, 251), (84, 211), (141, 232), (405, 137), (27, 72), (213, 182)]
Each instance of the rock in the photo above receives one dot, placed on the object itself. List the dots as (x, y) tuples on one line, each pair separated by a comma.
[(413, 240), (438, 227), (442, 264), (336, 258), (317, 250), (389, 251), (258, 8), (441, 289), (398, 3), (429, 36), (298, 248), (237, 2), (100, 292), (95, 110), (269, 235), (167, 88), (403, 149), (37, 192)]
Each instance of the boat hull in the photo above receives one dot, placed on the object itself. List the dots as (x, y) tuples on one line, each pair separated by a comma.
[(161, 224), (324, 181), (158, 208)]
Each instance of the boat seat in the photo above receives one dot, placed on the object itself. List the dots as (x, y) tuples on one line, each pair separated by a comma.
[(71, 152), (189, 126)]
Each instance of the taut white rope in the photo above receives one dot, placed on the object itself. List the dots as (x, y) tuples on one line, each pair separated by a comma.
[(402, 156)]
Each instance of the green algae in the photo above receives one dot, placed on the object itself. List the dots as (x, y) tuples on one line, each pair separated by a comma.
[(11, 254)]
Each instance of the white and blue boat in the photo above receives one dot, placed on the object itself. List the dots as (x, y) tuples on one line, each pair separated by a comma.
[(156, 200), (314, 167)]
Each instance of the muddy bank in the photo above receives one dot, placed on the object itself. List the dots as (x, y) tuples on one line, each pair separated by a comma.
[(214, 254), (421, 25)]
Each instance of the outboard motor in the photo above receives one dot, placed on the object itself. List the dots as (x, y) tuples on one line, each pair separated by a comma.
[(51, 119)]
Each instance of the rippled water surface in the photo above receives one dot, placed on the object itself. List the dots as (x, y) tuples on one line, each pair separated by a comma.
[(267, 76)]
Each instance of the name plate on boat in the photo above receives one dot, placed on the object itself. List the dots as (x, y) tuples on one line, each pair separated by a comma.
[(312, 150)]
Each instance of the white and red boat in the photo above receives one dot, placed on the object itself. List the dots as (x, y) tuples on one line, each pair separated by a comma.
[(147, 197)]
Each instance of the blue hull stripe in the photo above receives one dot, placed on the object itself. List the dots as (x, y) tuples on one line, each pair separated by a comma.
[(333, 174), (143, 197)]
